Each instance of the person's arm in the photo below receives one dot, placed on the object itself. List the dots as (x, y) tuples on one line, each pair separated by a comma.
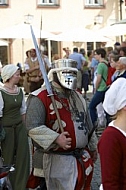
[(32, 69), (93, 66), (35, 113), (100, 70), (39, 132), (1, 105), (83, 60), (23, 107), (93, 147), (28, 69), (83, 64), (23, 117), (2, 131), (47, 62), (35, 123), (98, 81)]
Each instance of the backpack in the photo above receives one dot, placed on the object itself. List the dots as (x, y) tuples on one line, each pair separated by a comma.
[(110, 73)]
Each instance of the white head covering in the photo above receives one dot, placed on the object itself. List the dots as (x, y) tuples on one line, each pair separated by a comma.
[(123, 60), (8, 71), (115, 97)]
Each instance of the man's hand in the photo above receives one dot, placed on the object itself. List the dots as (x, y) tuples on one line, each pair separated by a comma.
[(64, 141), (37, 79), (94, 155)]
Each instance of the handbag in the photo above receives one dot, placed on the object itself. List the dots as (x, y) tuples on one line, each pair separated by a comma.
[(33, 181)]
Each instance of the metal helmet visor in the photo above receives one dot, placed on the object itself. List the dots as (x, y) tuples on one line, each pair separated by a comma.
[(67, 73)]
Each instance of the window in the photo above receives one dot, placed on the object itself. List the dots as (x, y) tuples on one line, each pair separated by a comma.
[(94, 3), (3, 2), (48, 2)]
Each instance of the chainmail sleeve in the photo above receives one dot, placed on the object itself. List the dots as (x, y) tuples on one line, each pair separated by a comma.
[(35, 114), (35, 120), (42, 137), (93, 141)]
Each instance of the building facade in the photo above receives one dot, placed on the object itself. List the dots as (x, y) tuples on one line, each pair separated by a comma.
[(55, 16)]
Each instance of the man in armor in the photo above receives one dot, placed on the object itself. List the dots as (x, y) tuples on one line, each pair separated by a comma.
[(66, 154)]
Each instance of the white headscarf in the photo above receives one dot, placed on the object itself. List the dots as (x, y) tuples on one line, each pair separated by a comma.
[(8, 71), (115, 97), (123, 60)]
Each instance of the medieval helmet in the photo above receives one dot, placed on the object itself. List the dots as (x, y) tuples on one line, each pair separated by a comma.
[(66, 70)]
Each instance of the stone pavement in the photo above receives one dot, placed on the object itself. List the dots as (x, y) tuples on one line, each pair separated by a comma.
[(96, 180)]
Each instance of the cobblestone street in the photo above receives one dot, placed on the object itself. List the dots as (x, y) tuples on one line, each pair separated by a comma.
[(96, 180)]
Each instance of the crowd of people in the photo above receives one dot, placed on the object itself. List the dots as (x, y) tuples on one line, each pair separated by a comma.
[(61, 125)]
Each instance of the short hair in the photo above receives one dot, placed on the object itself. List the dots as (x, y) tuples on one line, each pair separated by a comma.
[(33, 50), (123, 60), (82, 50), (101, 51), (123, 49), (89, 53), (116, 57), (115, 52), (75, 49), (117, 44)]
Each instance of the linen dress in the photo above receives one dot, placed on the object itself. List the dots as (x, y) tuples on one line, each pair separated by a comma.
[(15, 147)]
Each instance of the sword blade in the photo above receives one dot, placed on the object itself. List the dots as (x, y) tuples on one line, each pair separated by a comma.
[(47, 83)]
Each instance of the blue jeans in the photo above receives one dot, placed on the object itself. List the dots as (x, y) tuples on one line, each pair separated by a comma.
[(97, 98)]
